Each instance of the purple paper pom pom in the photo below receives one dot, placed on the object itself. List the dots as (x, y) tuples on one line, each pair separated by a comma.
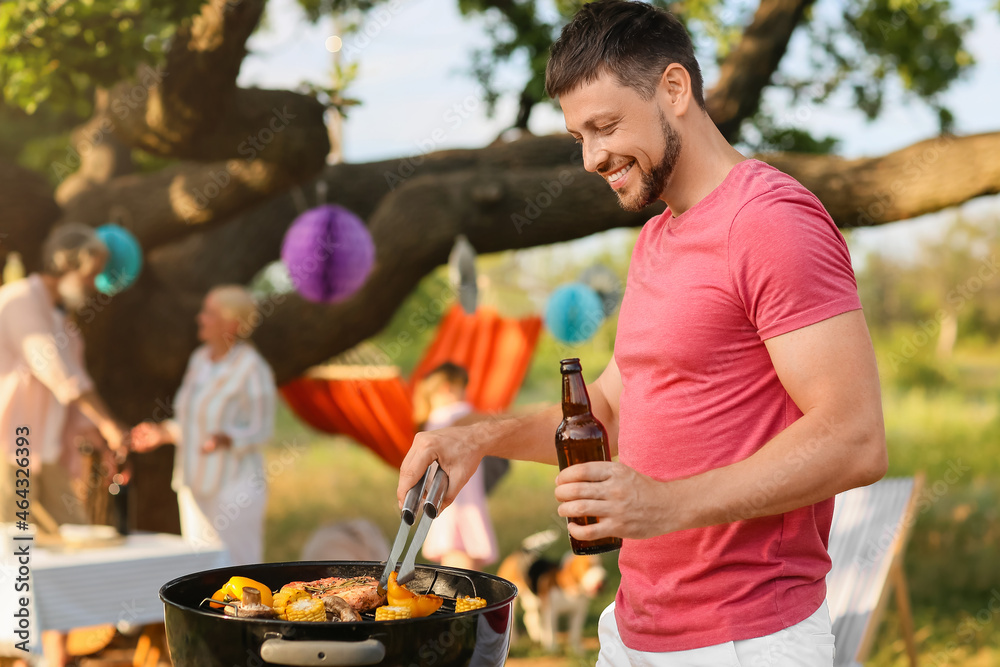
[(329, 253)]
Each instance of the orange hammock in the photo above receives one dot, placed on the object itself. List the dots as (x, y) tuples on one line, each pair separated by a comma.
[(373, 404)]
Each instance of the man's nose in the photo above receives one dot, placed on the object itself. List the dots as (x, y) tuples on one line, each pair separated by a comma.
[(594, 156)]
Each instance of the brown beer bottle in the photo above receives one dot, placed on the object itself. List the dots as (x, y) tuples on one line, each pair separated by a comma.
[(581, 438)]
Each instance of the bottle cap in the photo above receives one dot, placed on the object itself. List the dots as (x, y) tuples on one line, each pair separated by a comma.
[(570, 366)]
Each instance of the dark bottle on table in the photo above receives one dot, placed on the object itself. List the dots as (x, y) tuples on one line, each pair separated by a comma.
[(581, 438), (120, 505)]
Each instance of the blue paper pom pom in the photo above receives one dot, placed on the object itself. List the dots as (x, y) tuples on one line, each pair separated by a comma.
[(574, 313), (124, 262)]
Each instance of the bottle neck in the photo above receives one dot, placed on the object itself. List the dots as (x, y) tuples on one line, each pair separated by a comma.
[(575, 400)]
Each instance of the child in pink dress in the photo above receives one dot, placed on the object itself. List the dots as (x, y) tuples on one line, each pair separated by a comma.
[(462, 536)]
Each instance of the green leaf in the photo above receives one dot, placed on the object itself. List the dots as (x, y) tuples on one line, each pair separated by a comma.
[(58, 51)]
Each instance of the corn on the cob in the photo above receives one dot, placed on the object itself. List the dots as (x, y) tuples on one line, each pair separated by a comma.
[(285, 597), (388, 613), (305, 609), (468, 604)]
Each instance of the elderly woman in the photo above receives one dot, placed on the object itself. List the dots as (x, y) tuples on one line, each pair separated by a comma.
[(223, 416)]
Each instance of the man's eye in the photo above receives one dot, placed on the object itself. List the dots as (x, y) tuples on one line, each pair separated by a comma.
[(578, 140)]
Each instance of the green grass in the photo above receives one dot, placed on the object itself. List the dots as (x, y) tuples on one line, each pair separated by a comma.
[(951, 561)]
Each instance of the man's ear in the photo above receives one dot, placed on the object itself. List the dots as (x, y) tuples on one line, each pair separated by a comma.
[(675, 88)]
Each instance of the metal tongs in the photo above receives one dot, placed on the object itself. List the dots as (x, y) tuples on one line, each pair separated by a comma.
[(432, 493)]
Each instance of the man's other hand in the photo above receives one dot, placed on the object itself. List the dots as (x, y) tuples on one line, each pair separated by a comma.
[(626, 503)]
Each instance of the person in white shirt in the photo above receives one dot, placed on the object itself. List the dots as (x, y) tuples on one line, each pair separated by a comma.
[(45, 388), (462, 535), (43, 378), (223, 417)]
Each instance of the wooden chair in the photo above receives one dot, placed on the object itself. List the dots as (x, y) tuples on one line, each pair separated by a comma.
[(871, 526)]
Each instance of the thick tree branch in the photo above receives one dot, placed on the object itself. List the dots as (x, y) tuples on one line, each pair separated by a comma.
[(102, 155), (205, 57), (191, 109), (167, 205), (525, 103), (243, 123), (747, 69), (923, 178), (545, 198), (29, 210), (171, 110), (175, 201)]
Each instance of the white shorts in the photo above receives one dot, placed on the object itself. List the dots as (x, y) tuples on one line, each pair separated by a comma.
[(805, 644)]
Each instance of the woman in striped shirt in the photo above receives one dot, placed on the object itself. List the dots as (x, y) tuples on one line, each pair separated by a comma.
[(223, 417)]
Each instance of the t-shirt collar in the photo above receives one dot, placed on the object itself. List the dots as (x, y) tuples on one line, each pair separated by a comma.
[(704, 202)]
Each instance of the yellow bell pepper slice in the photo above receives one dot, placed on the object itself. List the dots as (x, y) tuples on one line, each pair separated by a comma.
[(396, 593), (425, 605), (419, 605), (219, 595)]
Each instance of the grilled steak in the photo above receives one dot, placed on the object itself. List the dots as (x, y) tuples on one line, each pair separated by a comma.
[(359, 592)]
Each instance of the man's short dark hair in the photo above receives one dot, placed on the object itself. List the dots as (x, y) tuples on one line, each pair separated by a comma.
[(632, 41), (452, 373)]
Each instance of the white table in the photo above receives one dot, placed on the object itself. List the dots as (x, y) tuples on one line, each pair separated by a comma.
[(116, 584)]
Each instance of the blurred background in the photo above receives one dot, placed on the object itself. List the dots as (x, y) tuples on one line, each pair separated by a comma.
[(205, 128)]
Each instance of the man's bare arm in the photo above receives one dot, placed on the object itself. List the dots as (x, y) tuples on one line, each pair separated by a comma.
[(828, 370), (93, 408), (459, 449)]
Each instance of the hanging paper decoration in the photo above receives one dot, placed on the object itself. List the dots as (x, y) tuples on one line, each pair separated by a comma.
[(124, 261), (574, 313), (462, 273), (606, 283), (329, 253)]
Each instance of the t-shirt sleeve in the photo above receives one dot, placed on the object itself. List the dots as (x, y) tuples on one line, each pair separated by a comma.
[(789, 263)]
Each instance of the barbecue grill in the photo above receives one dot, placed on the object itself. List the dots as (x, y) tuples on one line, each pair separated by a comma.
[(200, 636)]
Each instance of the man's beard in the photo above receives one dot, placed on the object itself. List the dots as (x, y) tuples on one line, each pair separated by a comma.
[(652, 184), (72, 293)]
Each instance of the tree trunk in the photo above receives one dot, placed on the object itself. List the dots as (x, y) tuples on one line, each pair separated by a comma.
[(29, 210), (748, 68)]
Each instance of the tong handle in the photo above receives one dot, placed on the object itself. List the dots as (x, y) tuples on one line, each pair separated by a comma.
[(409, 511), (432, 505), (435, 494)]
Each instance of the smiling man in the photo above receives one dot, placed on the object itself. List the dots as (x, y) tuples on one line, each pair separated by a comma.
[(743, 392)]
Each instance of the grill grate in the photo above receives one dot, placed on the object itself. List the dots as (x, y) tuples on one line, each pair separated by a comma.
[(447, 607)]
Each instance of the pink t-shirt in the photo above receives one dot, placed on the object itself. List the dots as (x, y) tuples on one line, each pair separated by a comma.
[(756, 258)]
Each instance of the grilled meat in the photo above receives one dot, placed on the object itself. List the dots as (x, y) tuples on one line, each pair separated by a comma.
[(359, 592)]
